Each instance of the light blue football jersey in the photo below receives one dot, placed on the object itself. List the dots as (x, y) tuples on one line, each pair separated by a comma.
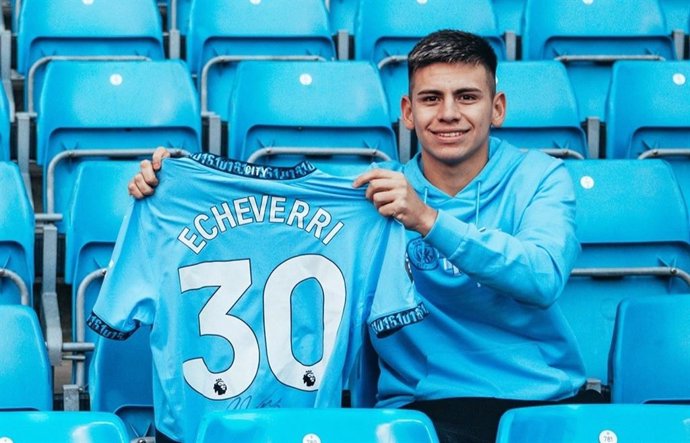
[(259, 283)]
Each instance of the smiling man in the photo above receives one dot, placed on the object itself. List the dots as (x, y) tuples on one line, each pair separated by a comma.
[(491, 243)]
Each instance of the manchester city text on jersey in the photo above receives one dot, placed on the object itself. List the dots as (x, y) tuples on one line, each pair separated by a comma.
[(258, 209)]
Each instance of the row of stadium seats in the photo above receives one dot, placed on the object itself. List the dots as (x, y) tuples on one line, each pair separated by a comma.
[(631, 278), (306, 425), (324, 108)]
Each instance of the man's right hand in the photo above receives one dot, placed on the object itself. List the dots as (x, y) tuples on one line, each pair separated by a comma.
[(143, 184)]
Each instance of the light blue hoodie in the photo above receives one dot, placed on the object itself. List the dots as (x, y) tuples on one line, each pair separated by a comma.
[(490, 271)]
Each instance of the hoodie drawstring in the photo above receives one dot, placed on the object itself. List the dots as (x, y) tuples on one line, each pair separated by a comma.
[(476, 204)]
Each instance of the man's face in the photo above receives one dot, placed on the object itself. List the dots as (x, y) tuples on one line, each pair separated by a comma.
[(452, 108)]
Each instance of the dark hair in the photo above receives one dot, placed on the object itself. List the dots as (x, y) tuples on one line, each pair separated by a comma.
[(452, 46)]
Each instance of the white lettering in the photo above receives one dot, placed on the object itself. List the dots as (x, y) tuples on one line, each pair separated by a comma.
[(338, 226), (259, 213), (189, 241), (319, 221), (277, 208), (199, 227), (299, 210), (240, 210), (222, 217)]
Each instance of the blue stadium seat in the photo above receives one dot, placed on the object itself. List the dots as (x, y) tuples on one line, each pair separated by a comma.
[(386, 31), (4, 126), (646, 114), (650, 355), (545, 120), (333, 425), (248, 28), (25, 373), (112, 106), (595, 423), (121, 381), (16, 234), (98, 203), (589, 36), (310, 104), (634, 229), (646, 108), (81, 28), (61, 427), (181, 10), (677, 13)]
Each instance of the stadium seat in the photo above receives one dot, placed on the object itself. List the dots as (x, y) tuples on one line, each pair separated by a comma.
[(111, 106), (548, 120), (677, 13), (61, 427), (604, 423), (316, 105), (650, 355), (16, 236), (179, 11), (333, 425), (634, 229), (589, 36), (86, 28), (25, 373), (646, 109), (386, 31), (121, 379), (98, 203), (249, 28)]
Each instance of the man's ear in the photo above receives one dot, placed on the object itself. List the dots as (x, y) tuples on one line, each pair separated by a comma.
[(498, 113), (406, 108)]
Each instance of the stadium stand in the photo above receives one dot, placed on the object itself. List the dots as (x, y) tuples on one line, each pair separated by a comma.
[(61, 427), (385, 32), (592, 423), (589, 37), (650, 354), (249, 30), (334, 425), (25, 373), (548, 120), (16, 238), (311, 107), (177, 24), (634, 229)]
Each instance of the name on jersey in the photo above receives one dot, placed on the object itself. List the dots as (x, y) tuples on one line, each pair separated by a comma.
[(258, 209)]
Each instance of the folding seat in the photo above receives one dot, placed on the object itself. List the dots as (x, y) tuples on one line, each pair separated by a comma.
[(634, 229), (16, 237), (110, 107), (650, 355), (121, 381), (61, 427), (595, 423), (646, 114), (98, 203), (47, 28), (245, 29), (547, 120), (386, 31), (335, 425), (120, 372), (590, 36), (342, 15), (25, 373), (312, 107)]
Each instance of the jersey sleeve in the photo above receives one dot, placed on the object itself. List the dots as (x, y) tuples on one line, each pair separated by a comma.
[(126, 296), (395, 302)]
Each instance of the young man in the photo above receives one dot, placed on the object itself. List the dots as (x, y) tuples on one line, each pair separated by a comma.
[(491, 242)]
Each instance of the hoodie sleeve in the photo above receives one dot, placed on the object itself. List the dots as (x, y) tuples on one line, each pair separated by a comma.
[(531, 264)]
